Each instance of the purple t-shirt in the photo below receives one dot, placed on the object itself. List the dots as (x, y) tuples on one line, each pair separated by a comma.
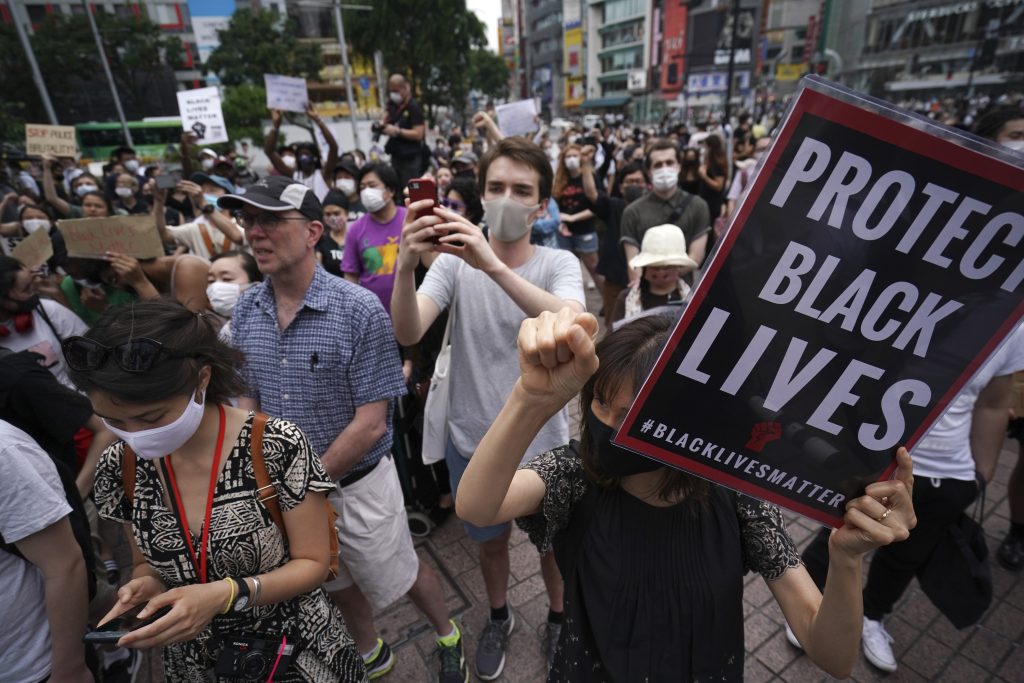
[(371, 253)]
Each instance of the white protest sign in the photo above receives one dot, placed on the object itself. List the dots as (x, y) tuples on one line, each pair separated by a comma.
[(517, 118), (202, 115), (286, 93)]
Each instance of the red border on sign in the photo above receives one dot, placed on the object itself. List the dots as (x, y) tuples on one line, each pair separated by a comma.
[(896, 133)]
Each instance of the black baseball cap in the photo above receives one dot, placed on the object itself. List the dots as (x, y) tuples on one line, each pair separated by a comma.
[(348, 166), (276, 193)]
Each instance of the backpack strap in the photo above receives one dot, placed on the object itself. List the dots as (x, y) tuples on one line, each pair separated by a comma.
[(208, 241), (266, 493), (678, 211)]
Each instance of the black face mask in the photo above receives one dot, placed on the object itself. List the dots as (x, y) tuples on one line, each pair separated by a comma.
[(613, 460), (633, 193), (26, 306), (468, 173)]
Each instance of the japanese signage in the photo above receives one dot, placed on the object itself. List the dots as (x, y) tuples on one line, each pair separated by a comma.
[(286, 93), (130, 235), (711, 36), (876, 263), (56, 140), (202, 115)]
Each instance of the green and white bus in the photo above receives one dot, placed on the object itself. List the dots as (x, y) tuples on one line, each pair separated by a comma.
[(151, 137)]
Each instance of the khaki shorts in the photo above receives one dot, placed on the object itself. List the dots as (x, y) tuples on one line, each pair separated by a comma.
[(376, 547)]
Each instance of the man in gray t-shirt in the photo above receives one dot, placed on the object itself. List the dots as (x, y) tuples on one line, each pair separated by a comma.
[(665, 203), (496, 282)]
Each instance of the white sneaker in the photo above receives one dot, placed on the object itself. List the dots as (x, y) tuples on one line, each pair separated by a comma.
[(877, 645), (791, 637)]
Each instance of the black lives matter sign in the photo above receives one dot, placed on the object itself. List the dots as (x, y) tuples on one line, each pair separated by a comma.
[(876, 264)]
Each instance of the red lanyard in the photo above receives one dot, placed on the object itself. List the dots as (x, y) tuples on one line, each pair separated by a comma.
[(200, 565)]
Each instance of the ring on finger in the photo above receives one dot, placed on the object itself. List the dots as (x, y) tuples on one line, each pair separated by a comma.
[(888, 511)]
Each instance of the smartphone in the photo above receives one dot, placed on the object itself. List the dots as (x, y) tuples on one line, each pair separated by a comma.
[(168, 181), (422, 188), (120, 626)]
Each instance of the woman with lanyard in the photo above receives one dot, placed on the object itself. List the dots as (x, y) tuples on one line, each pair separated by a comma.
[(211, 567), (654, 558)]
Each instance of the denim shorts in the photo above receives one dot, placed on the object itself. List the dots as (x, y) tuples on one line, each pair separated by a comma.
[(456, 467), (581, 244)]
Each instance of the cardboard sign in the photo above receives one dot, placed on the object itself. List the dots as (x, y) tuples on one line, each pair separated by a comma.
[(201, 114), (875, 265), (34, 250), (286, 93), (93, 237), (57, 140), (517, 118)]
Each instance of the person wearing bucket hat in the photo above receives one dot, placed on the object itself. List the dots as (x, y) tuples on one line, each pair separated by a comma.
[(663, 262), (214, 231)]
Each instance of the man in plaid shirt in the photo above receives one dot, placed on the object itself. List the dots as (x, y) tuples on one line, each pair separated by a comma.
[(320, 352)]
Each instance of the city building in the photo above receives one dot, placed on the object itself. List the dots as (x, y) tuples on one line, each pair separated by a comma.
[(542, 21)]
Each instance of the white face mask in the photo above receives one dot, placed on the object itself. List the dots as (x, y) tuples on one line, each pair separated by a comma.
[(395, 97), (132, 165), (223, 296), (665, 178), (150, 444), (572, 163), (288, 161), (1015, 145), (507, 219), (32, 224), (208, 163), (347, 185), (373, 199), (123, 192), (84, 189)]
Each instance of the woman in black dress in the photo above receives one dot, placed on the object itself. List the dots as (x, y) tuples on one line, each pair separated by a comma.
[(653, 558), (203, 545)]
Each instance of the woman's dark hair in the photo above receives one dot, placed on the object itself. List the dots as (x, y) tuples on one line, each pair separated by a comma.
[(9, 269), (44, 208), (716, 151), (191, 337), (627, 356), (992, 121), (248, 263), (387, 175), (470, 193)]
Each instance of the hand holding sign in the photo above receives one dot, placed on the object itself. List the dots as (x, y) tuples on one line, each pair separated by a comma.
[(883, 515), (556, 355)]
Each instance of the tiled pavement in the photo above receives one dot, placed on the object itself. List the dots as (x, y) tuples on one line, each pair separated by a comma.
[(927, 646)]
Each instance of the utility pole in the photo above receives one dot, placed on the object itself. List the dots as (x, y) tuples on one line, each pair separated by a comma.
[(345, 65), (37, 75), (110, 76), (732, 63)]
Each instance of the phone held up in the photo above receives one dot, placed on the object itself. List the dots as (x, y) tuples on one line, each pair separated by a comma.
[(420, 189), (122, 625)]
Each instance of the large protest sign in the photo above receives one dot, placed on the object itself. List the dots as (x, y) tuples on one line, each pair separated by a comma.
[(517, 118), (201, 114), (93, 237), (34, 250), (286, 93), (875, 265), (57, 140)]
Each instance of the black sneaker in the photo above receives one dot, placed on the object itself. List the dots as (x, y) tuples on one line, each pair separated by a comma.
[(382, 661), (124, 670), (490, 651), (1011, 553), (452, 660)]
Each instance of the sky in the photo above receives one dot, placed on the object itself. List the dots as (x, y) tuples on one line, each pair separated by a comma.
[(489, 12)]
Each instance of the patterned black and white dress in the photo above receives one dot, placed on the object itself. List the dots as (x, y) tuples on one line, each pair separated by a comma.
[(657, 592), (243, 542)]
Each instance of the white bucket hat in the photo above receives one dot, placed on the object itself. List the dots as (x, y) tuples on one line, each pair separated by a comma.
[(663, 245)]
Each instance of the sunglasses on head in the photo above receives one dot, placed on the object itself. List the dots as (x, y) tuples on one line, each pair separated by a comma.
[(136, 355)]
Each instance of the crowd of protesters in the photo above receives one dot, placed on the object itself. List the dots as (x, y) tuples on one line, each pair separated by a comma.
[(217, 409)]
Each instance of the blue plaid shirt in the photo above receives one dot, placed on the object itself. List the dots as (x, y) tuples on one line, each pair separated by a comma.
[(337, 354)]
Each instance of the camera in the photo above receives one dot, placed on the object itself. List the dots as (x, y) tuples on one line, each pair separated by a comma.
[(377, 130), (252, 658)]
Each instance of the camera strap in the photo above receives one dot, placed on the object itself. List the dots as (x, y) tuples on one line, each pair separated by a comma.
[(277, 660), (200, 564)]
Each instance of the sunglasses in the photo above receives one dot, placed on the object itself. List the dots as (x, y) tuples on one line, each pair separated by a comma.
[(453, 204), (137, 355)]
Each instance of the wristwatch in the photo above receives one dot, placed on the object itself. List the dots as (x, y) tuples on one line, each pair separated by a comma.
[(209, 208), (244, 596)]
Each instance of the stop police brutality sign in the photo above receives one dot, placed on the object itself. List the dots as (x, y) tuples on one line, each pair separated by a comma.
[(876, 264)]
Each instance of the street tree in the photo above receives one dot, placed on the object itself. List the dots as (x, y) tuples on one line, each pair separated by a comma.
[(261, 42)]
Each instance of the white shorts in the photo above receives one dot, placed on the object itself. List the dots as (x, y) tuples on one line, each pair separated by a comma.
[(376, 546)]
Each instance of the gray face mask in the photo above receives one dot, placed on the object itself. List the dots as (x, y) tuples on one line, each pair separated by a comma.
[(507, 219)]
